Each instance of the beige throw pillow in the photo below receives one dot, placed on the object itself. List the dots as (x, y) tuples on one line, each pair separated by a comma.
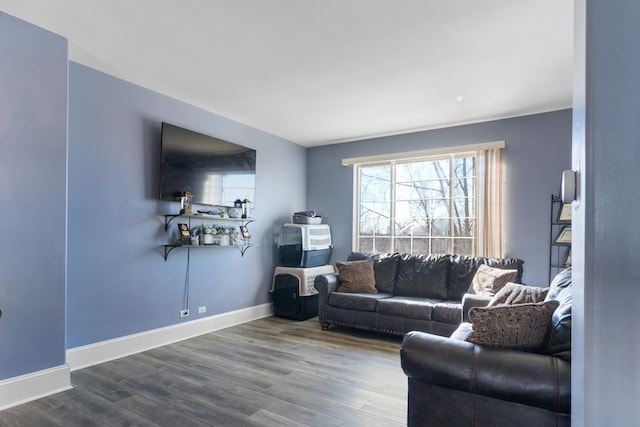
[(515, 293), (521, 327), (356, 277), (489, 280)]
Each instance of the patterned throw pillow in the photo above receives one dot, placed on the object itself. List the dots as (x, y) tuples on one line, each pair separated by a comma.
[(518, 327), (515, 293), (356, 277), (489, 280)]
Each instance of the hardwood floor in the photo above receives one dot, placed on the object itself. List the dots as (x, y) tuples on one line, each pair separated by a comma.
[(269, 372)]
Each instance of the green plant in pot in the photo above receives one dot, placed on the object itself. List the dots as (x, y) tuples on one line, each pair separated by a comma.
[(234, 236), (224, 232), (205, 234)]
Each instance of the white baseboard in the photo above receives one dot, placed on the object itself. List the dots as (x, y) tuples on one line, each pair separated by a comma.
[(93, 354), (25, 388)]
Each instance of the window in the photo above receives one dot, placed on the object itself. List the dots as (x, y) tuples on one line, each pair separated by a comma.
[(429, 204)]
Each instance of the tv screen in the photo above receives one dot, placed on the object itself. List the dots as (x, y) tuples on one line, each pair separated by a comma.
[(216, 172)]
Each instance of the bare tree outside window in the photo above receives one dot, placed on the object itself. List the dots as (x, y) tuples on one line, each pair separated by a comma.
[(425, 206), (374, 225)]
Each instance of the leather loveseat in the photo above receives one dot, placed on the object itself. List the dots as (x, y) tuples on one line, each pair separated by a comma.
[(412, 292), (453, 382)]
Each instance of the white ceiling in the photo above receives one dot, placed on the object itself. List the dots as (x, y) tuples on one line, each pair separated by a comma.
[(321, 72)]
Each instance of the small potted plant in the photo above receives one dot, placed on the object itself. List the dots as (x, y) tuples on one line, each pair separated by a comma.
[(223, 231), (205, 234), (234, 237), (198, 232)]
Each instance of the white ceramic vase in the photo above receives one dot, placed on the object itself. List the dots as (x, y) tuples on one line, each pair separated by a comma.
[(235, 213)]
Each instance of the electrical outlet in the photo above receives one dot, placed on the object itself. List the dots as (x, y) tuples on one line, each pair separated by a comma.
[(184, 313), (202, 309)]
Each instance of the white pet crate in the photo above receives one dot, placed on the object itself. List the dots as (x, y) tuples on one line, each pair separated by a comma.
[(294, 294)]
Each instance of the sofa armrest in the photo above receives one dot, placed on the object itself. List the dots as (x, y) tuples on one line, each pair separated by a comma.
[(325, 284), (516, 376), (472, 300)]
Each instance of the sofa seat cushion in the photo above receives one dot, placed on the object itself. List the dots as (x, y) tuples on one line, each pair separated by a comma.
[(409, 307), (447, 312), (356, 301)]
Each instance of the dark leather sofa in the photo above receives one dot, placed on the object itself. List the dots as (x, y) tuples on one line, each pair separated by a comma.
[(415, 292), (453, 382)]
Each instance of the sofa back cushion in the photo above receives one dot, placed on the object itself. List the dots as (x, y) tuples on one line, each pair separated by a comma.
[(463, 269), (385, 268), (423, 276), (559, 343)]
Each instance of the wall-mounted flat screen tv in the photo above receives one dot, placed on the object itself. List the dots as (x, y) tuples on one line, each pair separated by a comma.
[(216, 172)]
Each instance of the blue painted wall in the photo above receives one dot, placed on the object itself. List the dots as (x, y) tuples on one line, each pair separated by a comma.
[(33, 138), (538, 150), (118, 281)]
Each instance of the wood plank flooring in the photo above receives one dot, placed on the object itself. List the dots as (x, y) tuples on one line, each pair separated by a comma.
[(269, 372)]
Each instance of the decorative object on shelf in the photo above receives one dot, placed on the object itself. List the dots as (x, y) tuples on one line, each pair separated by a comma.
[(244, 231), (225, 239), (222, 232), (564, 214), (216, 212), (186, 201), (216, 234), (222, 229), (205, 234), (235, 212), (564, 236), (246, 208), (184, 237), (235, 238)]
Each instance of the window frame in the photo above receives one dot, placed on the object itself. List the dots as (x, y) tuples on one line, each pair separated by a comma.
[(394, 163), (490, 190)]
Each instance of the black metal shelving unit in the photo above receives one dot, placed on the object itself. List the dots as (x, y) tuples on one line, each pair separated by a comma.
[(559, 236)]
